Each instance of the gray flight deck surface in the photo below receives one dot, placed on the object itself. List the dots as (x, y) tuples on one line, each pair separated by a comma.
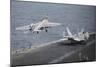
[(57, 53)]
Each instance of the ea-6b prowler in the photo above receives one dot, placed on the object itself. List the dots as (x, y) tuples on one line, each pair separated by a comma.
[(40, 26)]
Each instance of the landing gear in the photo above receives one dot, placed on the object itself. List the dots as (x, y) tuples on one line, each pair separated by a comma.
[(30, 29), (37, 32), (46, 30)]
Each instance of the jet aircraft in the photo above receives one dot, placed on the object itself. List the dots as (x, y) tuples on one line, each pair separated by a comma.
[(82, 36), (42, 25)]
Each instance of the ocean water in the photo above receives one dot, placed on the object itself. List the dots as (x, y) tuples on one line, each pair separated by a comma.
[(75, 17)]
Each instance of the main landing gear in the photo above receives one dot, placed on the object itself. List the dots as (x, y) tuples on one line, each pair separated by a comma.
[(37, 32), (46, 30)]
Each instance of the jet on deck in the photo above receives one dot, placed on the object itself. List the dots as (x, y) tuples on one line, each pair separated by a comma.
[(75, 38)]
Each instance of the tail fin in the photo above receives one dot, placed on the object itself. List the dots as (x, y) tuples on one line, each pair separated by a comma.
[(82, 30), (64, 34), (69, 32)]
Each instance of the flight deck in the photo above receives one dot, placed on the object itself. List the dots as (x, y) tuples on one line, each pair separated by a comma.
[(57, 53)]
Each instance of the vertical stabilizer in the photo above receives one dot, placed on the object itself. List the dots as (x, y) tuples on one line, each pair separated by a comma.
[(64, 34), (69, 32), (82, 30)]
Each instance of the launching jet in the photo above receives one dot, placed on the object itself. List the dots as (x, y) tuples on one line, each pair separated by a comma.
[(80, 37), (44, 24)]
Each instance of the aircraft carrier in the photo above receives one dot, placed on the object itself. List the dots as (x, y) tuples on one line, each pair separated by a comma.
[(57, 52)]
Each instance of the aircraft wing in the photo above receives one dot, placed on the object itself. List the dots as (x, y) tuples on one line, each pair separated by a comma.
[(51, 24), (25, 28)]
